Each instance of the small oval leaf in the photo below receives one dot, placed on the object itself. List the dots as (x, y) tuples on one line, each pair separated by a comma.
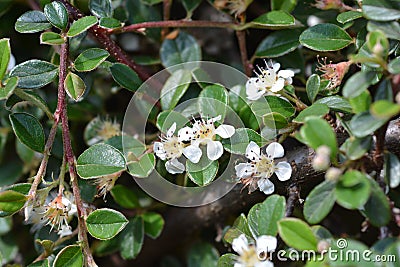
[(105, 223), (28, 130), (90, 59), (74, 86)]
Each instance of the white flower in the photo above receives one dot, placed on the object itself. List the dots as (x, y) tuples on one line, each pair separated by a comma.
[(254, 255), (268, 80), (204, 133), (11, 63), (105, 183), (172, 147), (64, 231), (261, 167)]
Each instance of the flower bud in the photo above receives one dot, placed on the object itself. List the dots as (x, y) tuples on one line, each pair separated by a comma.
[(321, 160), (333, 174), (323, 246)]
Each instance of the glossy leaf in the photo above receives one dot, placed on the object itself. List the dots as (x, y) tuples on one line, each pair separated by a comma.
[(7, 90), (184, 48), (316, 110), (132, 238), (34, 73), (240, 139), (357, 84), (361, 102), (143, 166), (99, 160), (263, 217), (69, 256), (11, 201), (285, 5), (74, 86), (348, 16), (57, 14), (105, 223), (274, 19), (384, 109), (213, 101), (394, 66), (312, 86), (382, 10), (319, 202), (325, 37), (204, 176), (174, 88), (227, 260), (125, 197), (166, 118), (377, 209), (28, 130), (81, 25), (336, 103), (390, 29), (125, 76), (51, 38), (5, 52), (110, 23), (355, 148), (202, 254), (365, 123), (353, 190), (90, 59), (297, 234), (153, 224), (101, 8), (240, 226), (32, 21), (278, 43)]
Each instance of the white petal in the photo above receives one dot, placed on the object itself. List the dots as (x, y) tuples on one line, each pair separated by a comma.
[(253, 151), (275, 150), (244, 170), (171, 130), (193, 153), (237, 264), (214, 119), (278, 85), (185, 134), (276, 67), (158, 148), (256, 96), (64, 231), (225, 131), (288, 80), (253, 89), (285, 73), (214, 150), (11, 63), (266, 243), (240, 244), (266, 186), (283, 171), (266, 263), (173, 166)]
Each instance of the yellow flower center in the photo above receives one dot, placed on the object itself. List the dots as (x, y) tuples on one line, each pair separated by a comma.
[(249, 257), (173, 147), (265, 167), (205, 133)]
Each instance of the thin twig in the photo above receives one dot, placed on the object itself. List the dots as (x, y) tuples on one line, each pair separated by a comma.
[(247, 66)]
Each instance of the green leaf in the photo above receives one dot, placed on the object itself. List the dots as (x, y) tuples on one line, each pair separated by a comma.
[(316, 110), (357, 84), (275, 120), (110, 23), (81, 25), (263, 217), (394, 66), (312, 86), (274, 19), (142, 167), (381, 10), (377, 209), (153, 224), (42, 263), (204, 176), (325, 37), (166, 118), (238, 142), (101, 8), (227, 260), (7, 90), (394, 251), (355, 148), (336, 103), (278, 43), (34, 73), (34, 99), (213, 101), (99, 160), (132, 238), (125, 197), (361, 102), (319, 202), (184, 48), (384, 109), (51, 38), (57, 14), (70, 256), (285, 5), (90, 59), (32, 21), (202, 254), (273, 104), (11, 201), (240, 226), (190, 5), (74, 86), (365, 123), (174, 88), (28, 130), (105, 223), (5, 52), (297, 234), (125, 76), (348, 16), (138, 12), (392, 170), (390, 29), (317, 132), (352, 190)]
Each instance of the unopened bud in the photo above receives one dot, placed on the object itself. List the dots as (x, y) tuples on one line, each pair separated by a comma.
[(333, 174), (397, 98), (323, 246), (321, 160)]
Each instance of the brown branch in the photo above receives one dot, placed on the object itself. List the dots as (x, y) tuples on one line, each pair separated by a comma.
[(247, 66)]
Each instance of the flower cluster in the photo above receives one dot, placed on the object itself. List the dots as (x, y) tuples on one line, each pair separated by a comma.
[(260, 167), (254, 254), (269, 80), (55, 213), (188, 141)]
